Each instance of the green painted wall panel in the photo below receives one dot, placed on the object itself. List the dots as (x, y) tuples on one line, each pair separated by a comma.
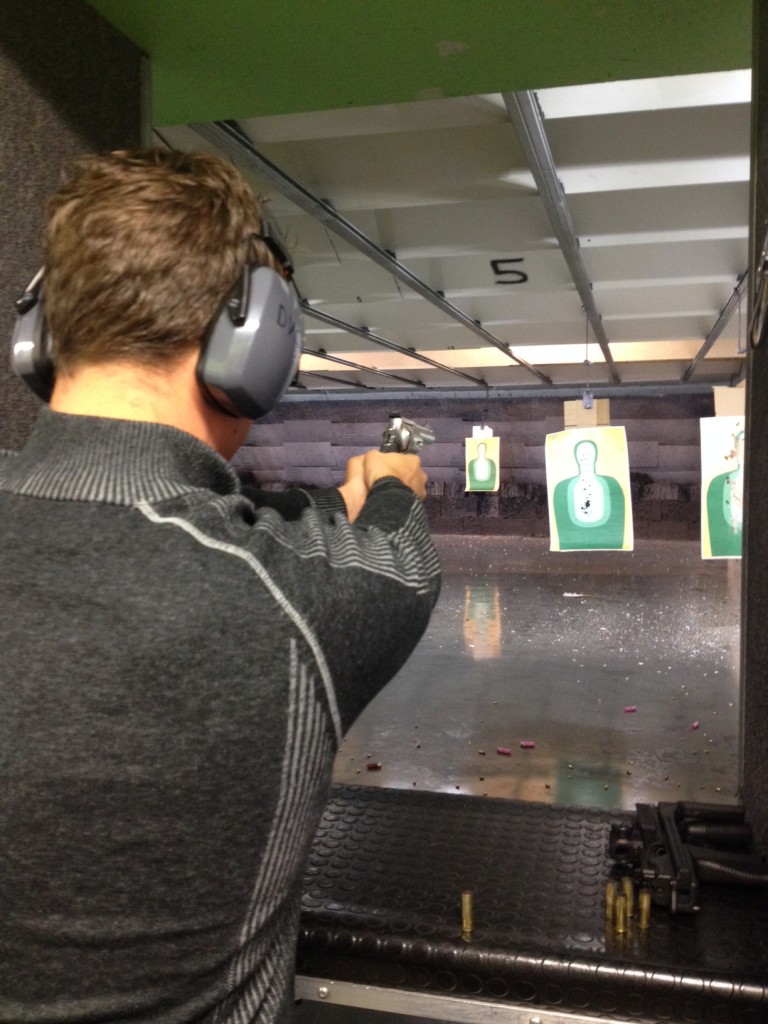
[(216, 59)]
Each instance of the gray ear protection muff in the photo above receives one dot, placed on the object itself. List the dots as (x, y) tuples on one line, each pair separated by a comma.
[(251, 350), (30, 345), (248, 357)]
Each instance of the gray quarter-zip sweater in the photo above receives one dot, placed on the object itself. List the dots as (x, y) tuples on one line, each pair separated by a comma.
[(179, 661)]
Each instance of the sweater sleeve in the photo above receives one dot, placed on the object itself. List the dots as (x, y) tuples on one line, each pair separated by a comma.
[(365, 589), (290, 504)]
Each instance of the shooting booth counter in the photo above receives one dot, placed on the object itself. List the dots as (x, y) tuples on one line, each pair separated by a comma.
[(475, 909)]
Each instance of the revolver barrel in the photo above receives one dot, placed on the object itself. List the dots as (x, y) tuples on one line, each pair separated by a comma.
[(405, 436)]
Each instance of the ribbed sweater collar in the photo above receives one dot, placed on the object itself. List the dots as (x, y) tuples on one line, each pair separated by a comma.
[(119, 462)]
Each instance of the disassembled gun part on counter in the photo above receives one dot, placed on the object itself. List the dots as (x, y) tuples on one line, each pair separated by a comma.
[(672, 848)]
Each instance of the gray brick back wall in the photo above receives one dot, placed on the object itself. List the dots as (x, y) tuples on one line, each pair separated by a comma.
[(300, 454), (308, 443)]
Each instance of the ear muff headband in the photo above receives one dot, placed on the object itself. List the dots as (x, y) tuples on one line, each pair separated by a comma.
[(247, 361)]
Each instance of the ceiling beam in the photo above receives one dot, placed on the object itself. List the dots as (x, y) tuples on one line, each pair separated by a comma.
[(322, 354), (336, 380), (229, 137), (717, 328), (525, 115), (653, 389), (366, 335)]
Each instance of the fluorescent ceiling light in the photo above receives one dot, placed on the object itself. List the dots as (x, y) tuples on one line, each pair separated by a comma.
[(663, 237), (320, 330), (673, 92), (665, 282)]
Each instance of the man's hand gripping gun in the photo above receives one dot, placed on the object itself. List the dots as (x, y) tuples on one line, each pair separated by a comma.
[(405, 436)]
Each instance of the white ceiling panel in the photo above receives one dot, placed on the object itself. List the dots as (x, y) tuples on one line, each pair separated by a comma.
[(683, 300), (644, 214), (724, 258), (443, 165), (654, 137)]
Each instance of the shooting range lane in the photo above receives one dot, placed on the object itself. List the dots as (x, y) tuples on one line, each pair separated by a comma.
[(621, 668)]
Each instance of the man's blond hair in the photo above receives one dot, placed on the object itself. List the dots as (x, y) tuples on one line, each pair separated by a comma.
[(140, 249)]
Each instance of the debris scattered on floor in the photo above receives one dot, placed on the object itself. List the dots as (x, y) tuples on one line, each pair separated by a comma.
[(527, 744), (695, 725), (374, 766), (609, 672)]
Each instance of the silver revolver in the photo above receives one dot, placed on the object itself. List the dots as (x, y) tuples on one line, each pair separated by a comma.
[(402, 435)]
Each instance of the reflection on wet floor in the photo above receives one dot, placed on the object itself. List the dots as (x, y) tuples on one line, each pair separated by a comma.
[(595, 679)]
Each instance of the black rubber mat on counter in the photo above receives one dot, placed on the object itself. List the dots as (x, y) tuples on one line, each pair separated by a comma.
[(382, 906)]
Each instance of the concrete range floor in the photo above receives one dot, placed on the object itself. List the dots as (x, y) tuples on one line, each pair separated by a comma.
[(621, 669)]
